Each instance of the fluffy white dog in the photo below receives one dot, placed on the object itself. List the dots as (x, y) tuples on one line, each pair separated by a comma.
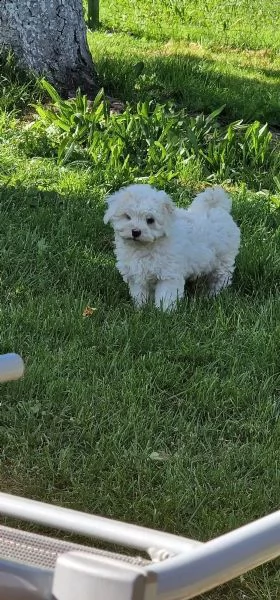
[(159, 246)]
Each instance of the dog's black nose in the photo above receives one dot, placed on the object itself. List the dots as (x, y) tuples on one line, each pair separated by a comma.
[(136, 233)]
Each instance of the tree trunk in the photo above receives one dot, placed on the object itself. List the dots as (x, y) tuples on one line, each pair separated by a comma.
[(48, 37)]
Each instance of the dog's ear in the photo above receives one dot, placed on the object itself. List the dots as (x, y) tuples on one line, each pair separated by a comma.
[(111, 204), (167, 203)]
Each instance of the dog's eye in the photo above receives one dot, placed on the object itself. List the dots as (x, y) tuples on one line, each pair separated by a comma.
[(127, 217), (150, 220)]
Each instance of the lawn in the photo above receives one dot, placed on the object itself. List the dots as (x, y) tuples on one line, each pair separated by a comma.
[(201, 53), (170, 421)]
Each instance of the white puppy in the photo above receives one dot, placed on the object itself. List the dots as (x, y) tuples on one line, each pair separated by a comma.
[(159, 246)]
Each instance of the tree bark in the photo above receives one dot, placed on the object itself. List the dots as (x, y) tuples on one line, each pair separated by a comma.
[(48, 37)]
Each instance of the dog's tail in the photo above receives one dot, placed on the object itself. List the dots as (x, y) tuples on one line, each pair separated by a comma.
[(214, 197)]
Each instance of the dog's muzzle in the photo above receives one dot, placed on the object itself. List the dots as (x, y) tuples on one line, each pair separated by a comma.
[(136, 233)]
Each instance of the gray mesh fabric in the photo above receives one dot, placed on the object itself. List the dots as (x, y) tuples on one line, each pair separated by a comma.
[(42, 551)]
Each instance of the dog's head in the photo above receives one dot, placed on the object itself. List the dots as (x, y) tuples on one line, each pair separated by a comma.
[(139, 213)]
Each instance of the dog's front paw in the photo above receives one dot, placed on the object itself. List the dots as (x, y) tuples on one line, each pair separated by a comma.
[(166, 305), (168, 292), (139, 302), (139, 294)]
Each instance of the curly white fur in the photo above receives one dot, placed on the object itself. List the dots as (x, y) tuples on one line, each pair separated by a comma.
[(159, 246)]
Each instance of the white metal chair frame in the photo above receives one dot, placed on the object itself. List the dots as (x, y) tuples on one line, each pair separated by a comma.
[(178, 567)]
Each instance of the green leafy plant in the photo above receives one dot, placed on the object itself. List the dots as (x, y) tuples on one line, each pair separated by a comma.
[(155, 142)]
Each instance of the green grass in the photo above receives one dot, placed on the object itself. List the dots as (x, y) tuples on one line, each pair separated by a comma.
[(170, 421), (240, 24), (102, 394), (16, 87), (201, 54)]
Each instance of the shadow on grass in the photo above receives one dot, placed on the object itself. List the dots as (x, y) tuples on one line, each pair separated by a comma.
[(17, 88), (194, 82), (59, 242), (98, 398), (52, 241)]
